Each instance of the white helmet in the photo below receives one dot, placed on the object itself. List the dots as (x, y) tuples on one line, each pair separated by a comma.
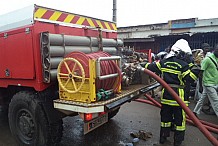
[(180, 45)]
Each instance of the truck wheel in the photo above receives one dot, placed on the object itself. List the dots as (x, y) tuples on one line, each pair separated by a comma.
[(113, 113), (29, 124)]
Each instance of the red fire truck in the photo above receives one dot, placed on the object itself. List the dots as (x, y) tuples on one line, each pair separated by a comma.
[(55, 64)]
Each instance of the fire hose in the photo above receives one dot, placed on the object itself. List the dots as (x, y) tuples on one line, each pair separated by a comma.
[(211, 127), (195, 120)]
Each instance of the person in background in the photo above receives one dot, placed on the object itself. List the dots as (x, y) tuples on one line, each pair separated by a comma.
[(198, 56), (207, 49), (175, 72), (209, 66), (200, 93)]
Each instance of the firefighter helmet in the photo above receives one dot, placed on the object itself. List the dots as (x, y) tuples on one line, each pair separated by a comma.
[(180, 48), (181, 45)]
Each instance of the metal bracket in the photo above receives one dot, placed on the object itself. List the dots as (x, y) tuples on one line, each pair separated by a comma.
[(5, 35), (100, 43), (27, 30), (7, 72), (98, 66)]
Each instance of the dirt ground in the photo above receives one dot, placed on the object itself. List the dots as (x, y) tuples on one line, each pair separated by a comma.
[(132, 117)]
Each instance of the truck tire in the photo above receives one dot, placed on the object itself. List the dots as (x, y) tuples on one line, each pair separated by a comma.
[(113, 113), (29, 124)]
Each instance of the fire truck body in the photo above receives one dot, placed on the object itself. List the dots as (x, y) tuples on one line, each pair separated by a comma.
[(46, 75), (21, 63)]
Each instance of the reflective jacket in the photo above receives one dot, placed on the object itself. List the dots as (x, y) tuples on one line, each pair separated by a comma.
[(176, 73)]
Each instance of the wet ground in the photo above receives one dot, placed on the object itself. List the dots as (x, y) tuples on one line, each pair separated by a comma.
[(132, 117)]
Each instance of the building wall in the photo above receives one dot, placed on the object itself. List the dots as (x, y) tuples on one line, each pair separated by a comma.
[(206, 22), (160, 36)]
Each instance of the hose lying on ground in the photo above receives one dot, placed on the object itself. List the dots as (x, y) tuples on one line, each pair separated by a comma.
[(211, 127), (200, 126)]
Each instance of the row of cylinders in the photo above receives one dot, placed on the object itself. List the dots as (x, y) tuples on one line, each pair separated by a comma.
[(55, 46)]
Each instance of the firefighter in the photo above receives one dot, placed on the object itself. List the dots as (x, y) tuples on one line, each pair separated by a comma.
[(176, 72)]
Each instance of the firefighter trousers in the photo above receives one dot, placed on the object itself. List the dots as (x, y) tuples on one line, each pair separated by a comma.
[(172, 116)]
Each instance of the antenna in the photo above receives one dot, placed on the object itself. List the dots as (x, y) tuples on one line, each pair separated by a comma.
[(114, 10)]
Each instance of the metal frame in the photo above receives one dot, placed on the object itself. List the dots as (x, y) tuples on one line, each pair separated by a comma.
[(127, 95), (98, 67)]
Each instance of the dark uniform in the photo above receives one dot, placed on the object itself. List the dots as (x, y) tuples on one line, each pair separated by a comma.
[(188, 84), (176, 73)]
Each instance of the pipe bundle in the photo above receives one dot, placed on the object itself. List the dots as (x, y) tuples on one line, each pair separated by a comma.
[(54, 47)]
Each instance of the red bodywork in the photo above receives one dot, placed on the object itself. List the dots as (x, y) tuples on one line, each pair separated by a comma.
[(20, 56)]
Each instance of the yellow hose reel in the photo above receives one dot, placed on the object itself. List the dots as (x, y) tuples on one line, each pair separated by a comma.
[(81, 76)]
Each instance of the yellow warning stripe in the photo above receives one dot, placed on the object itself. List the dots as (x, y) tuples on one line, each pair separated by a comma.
[(99, 24), (52, 15), (39, 13), (107, 25), (90, 22), (55, 16), (114, 26), (69, 18), (80, 20)]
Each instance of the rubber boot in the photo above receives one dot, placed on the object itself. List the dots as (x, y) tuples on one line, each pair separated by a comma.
[(163, 140), (178, 137), (177, 143), (164, 133)]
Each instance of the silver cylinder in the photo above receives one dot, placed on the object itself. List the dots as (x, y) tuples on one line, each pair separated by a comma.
[(45, 38), (119, 43), (84, 49), (46, 76), (45, 50), (52, 63), (110, 50), (50, 75), (56, 51), (53, 74), (76, 41), (109, 42), (67, 40), (60, 51), (55, 62), (46, 63), (112, 43)]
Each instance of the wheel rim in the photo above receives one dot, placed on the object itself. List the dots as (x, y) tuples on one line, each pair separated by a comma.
[(70, 74), (25, 126)]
